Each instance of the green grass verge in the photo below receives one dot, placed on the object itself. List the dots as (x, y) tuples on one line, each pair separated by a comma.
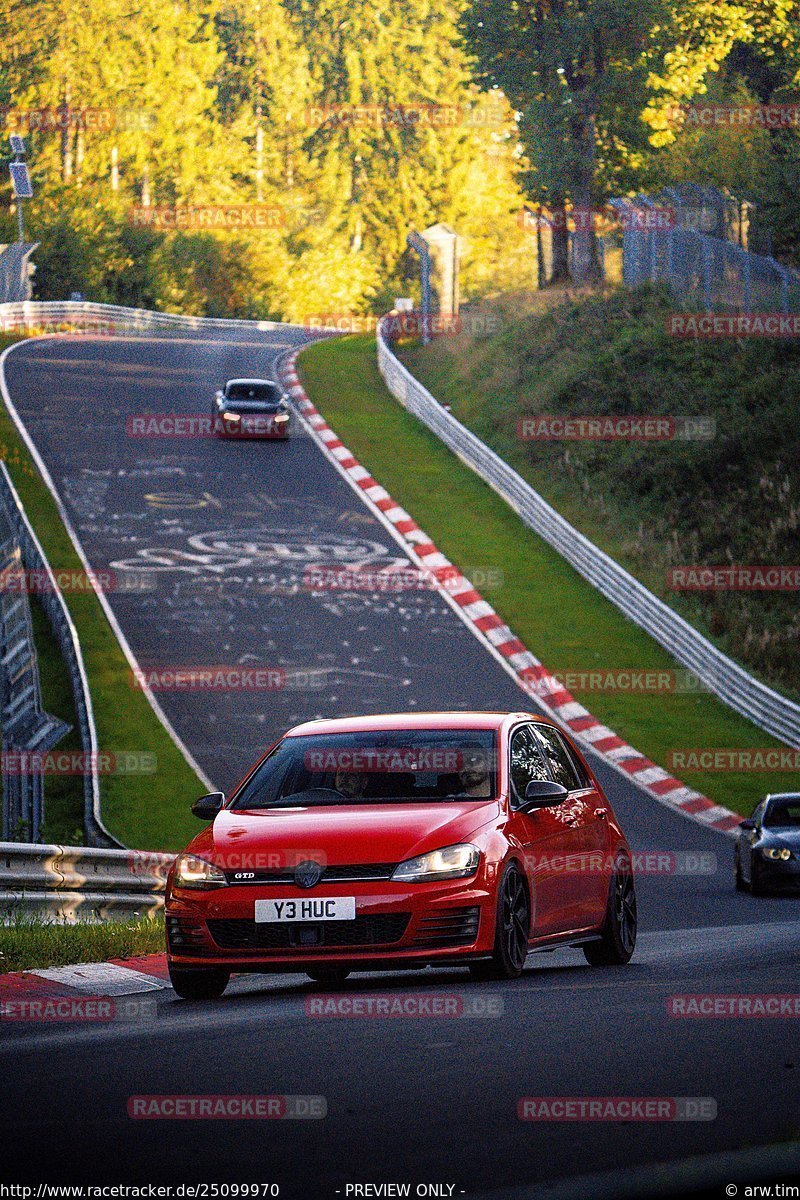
[(63, 794), (562, 619), (145, 811), (28, 943)]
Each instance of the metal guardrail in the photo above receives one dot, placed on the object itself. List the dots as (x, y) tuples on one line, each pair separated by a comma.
[(65, 883), (35, 561), (26, 730), (31, 315), (768, 709)]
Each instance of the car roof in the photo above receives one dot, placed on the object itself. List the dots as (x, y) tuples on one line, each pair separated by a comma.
[(252, 382), (430, 720), (778, 796)]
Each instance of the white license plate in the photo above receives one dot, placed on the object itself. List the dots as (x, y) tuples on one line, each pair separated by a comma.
[(318, 908)]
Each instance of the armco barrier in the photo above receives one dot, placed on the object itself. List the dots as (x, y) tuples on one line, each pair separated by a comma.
[(65, 883), (52, 602), (771, 711), (32, 316)]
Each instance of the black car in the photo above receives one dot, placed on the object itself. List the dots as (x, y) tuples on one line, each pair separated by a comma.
[(768, 847), (252, 408)]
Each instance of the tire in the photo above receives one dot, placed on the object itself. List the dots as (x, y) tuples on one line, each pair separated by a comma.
[(512, 930), (329, 976), (618, 939), (757, 887), (200, 983), (741, 886)]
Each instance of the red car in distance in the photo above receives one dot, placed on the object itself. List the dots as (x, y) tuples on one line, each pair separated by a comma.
[(385, 842)]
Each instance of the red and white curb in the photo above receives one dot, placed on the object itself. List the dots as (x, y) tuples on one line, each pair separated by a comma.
[(488, 627), (38, 994)]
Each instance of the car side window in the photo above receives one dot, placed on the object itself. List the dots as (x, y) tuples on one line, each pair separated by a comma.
[(563, 769), (527, 762)]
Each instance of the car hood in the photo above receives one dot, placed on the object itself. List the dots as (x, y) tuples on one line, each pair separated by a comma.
[(257, 409), (789, 837), (345, 834)]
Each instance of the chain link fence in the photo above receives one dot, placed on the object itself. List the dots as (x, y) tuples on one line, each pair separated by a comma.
[(697, 241)]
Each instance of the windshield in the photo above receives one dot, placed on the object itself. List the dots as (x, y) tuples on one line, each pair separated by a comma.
[(379, 767), (783, 815), (243, 395)]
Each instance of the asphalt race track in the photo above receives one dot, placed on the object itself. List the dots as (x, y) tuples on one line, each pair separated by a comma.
[(209, 544)]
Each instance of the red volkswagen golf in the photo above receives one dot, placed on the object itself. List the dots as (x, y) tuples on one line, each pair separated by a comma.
[(384, 842)]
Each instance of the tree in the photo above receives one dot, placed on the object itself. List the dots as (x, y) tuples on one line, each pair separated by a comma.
[(598, 81)]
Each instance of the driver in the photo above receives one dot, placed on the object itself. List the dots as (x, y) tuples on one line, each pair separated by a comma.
[(474, 773), (351, 784)]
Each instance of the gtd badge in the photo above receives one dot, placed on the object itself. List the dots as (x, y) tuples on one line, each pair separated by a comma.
[(245, 875), (308, 874)]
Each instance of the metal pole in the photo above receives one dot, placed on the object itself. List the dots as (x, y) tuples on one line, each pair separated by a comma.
[(20, 229)]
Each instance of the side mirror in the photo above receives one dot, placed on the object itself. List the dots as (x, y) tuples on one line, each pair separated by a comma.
[(748, 824), (207, 807), (543, 793)]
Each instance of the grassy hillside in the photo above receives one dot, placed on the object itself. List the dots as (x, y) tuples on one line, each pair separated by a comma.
[(733, 498)]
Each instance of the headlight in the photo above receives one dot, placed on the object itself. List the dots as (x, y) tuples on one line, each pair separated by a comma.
[(229, 416), (282, 417), (776, 854), (191, 872), (454, 862)]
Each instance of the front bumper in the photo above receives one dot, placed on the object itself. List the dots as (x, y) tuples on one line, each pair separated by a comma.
[(778, 874), (412, 925), (273, 435)]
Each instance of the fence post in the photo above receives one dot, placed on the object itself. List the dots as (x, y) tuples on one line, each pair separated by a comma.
[(747, 281), (705, 254), (784, 278)]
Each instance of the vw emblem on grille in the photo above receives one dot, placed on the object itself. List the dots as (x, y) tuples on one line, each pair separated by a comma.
[(308, 874)]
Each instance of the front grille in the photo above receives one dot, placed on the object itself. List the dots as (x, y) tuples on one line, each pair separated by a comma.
[(243, 934), (184, 935), (448, 927), (332, 874)]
